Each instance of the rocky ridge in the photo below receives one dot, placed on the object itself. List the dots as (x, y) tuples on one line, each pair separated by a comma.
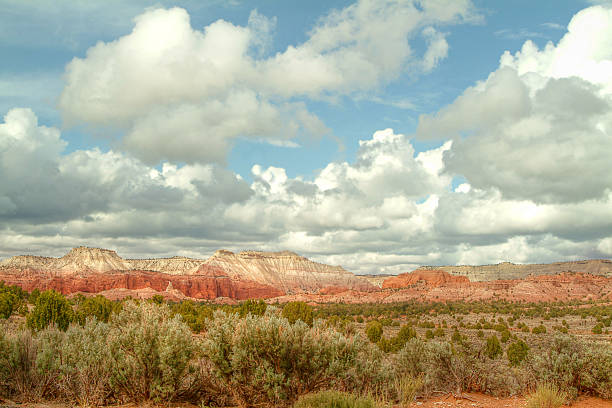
[(225, 274), (508, 270), (299, 273), (285, 276), (425, 285)]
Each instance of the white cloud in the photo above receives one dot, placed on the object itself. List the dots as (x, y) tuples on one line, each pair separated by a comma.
[(388, 211), (184, 95), (540, 127), (437, 48), (532, 142), (605, 246)]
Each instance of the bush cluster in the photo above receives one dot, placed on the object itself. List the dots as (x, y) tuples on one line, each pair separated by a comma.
[(91, 351), (268, 360)]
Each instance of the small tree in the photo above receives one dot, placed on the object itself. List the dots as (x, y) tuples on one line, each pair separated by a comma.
[(254, 307), (493, 348), (51, 308), (374, 331), (7, 304), (294, 311), (12, 299), (99, 307), (517, 352)]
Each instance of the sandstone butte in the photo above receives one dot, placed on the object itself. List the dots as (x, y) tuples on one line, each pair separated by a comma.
[(286, 276), (225, 275)]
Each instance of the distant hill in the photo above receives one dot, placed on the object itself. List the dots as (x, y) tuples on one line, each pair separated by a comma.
[(508, 270)]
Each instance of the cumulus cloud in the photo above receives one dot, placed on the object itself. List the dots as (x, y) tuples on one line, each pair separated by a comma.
[(388, 211), (88, 185), (521, 173), (184, 95), (539, 127)]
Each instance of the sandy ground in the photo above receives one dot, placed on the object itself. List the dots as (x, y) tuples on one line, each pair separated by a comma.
[(486, 401), (471, 401)]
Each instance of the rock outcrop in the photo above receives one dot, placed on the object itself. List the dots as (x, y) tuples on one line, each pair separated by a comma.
[(210, 286), (286, 271), (85, 260), (428, 288), (508, 270), (430, 278), (239, 276), (285, 276)]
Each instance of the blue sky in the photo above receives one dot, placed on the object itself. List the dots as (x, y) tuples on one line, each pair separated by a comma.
[(159, 128)]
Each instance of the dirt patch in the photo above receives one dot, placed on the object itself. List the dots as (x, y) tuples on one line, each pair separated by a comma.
[(471, 401), (486, 401)]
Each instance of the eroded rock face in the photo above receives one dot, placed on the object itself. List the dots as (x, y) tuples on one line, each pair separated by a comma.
[(508, 270), (210, 286), (244, 275), (431, 278), (286, 271), (428, 288), (286, 276), (85, 260)]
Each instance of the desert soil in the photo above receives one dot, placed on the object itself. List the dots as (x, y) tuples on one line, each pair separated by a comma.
[(486, 401), (471, 401)]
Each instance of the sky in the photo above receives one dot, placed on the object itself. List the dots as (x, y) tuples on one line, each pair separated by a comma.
[(377, 135)]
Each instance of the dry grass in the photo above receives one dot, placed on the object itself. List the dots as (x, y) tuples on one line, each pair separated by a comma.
[(407, 388), (547, 395)]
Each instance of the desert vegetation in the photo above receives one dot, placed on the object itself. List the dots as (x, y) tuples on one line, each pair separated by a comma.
[(93, 351)]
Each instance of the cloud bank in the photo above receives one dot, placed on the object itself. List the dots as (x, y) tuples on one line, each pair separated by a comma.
[(521, 172), (184, 95)]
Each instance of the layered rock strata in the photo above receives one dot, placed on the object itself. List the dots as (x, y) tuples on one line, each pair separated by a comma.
[(239, 276), (440, 286), (508, 270)]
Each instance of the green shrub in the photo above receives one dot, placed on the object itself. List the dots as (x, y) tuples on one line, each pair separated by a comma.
[(152, 353), (539, 329), (12, 299), (547, 395), (451, 368), (597, 329), (457, 337), (411, 359), (254, 307), (157, 299), (294, 311), (334, 399), (268, 360), (574, 365), (7, 304), (80, 361), (517, 352), (51, 308), (18, 372), (33, 296), (405, 333), (374, 330), (429, 334), (98, 306), (439, 332), (193, 315), (493, 348)]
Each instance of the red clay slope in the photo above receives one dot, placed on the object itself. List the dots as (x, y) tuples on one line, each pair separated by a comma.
[(439, 286), (432, 278), (209, 283)]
